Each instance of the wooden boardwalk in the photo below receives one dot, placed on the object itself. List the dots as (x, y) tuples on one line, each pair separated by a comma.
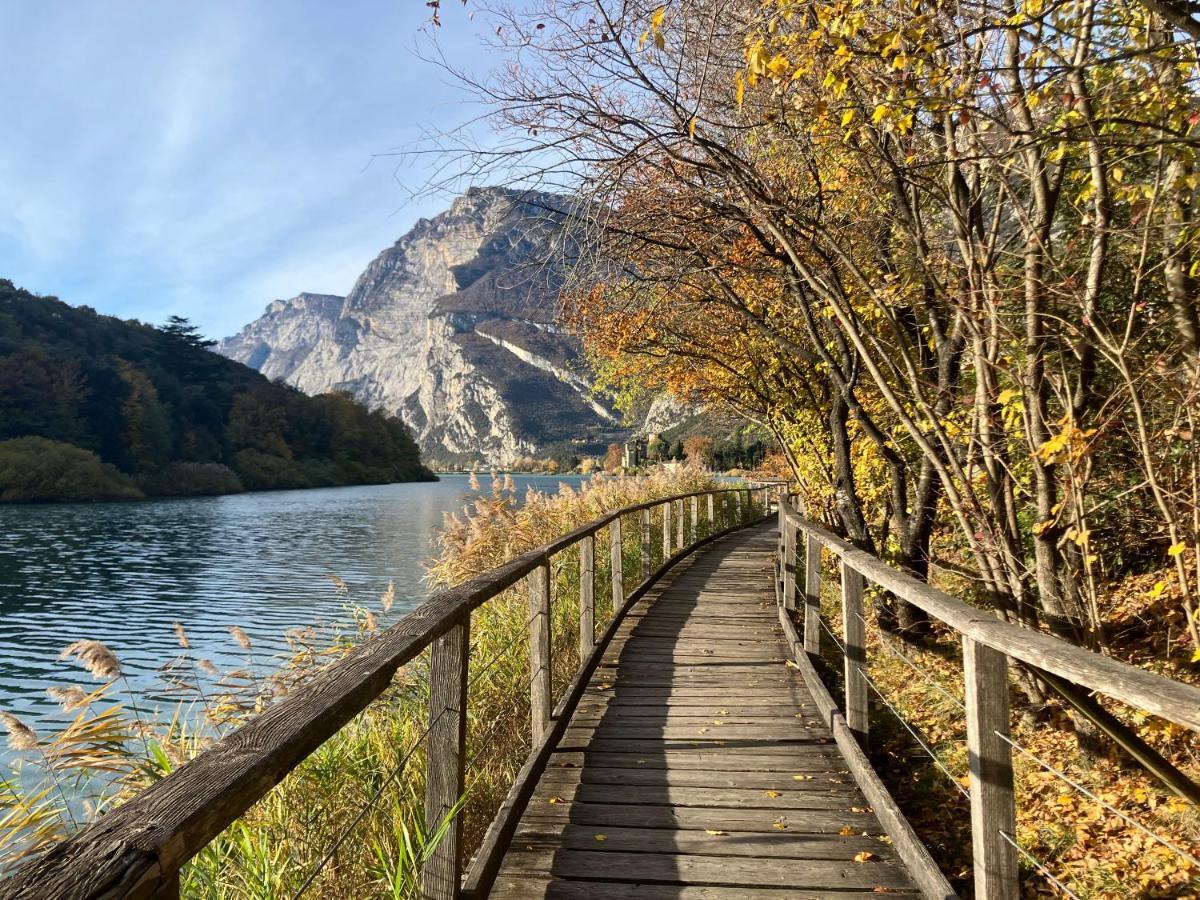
[(696, 766)]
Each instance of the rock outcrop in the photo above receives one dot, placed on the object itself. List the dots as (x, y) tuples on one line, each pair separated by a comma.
[(451, 328)]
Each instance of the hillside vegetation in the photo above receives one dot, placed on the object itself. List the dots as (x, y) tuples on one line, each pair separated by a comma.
[(92, 407)]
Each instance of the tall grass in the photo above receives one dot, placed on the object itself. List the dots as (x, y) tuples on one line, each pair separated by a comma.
[(349, 821)]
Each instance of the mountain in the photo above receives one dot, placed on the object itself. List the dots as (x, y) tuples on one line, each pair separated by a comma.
[(452, 328), (94, 407)]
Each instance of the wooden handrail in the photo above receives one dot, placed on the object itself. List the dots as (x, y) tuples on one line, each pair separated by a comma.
[(988, 645), (138, 849), (1172, 700)]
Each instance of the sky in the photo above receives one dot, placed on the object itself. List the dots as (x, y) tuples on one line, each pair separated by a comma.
[(202, 159)]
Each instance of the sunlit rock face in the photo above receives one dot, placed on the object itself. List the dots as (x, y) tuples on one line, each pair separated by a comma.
[(451, 328)]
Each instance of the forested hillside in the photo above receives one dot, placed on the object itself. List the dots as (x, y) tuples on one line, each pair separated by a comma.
[(120, 409)]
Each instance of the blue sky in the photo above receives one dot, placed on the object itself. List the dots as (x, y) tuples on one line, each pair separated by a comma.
[(202, 159)]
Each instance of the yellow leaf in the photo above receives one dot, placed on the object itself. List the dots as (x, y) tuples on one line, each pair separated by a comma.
[(864, 856), (802, 778), (1176, 549), (659, 41), (846, 831), (713, 831), (881, 112), (555, 799), (1159, 587), (1196, 655), (692, 129), (656, 18), (847, 117), (779, 826), (772, 794), (602, 837)]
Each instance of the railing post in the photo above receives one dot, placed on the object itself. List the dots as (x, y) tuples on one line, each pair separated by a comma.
[(993, 807), (617, 562), (812, 595), (854, 629), (587, 596), (646, 542), (745, 507), (679, 545), (540, 700), (694, 531), (666, 526), (789, 561), (445, 783), (712, 514)]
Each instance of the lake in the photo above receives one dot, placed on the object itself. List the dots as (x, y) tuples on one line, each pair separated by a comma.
[(122, 573)]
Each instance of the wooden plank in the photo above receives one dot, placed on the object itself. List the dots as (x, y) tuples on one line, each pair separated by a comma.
[(445, 755), (587, 595), (540, 691), (685, 818), (711, 870), (541, 834), (520, 887), (993, 807), (854, 630)]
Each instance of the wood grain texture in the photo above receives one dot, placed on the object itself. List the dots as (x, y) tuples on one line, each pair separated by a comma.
[(993, 805), (587, 595), (616, 563), (646, 542), (540, 693), (854, 630), (696, 763), (812, 595), (666, 530), (445, 757), (1173, 700)]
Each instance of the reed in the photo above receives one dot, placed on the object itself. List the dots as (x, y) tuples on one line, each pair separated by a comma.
[(349, 822)]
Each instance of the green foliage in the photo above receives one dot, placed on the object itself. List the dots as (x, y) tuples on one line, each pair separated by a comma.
[(34, 468), (192, 479), (157, 404)]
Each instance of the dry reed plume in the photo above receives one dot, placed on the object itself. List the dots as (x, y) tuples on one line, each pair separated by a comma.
[(95, 657)]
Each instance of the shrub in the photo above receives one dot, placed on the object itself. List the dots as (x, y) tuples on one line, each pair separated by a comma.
[(34, 468), (192, 479)]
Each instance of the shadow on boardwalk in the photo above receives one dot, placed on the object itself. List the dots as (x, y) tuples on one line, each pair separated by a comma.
[(696, 766)]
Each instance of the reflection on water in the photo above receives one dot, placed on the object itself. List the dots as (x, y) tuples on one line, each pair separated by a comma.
[(122, 573)]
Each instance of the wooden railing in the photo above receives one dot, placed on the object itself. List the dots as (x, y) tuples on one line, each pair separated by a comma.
[(138, 849), (988, 644)]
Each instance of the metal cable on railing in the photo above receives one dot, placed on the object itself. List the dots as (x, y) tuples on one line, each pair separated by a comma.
[(923, 673), (1039, 865), (924, 746), (332, 849), (1126, 818), (899, 717)]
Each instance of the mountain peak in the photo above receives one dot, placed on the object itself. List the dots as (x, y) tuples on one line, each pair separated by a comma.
[(419, 335)]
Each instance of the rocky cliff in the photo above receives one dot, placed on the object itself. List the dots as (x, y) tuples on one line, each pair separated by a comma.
[(451, 328)]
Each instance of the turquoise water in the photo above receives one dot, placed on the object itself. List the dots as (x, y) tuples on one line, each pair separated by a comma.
[(123, 573)]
